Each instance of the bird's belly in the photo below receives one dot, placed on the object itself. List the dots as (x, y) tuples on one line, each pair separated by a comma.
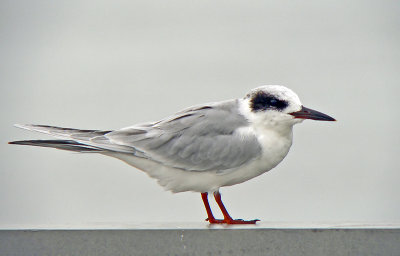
[(178, 180), (272, 155)]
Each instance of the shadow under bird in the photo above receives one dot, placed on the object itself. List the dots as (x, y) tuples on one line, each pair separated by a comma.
[(201, 148)]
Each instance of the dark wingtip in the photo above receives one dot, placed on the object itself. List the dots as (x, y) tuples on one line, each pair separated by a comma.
[(19, 142)]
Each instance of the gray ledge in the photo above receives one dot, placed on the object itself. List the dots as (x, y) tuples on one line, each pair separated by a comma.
[(243, 240)]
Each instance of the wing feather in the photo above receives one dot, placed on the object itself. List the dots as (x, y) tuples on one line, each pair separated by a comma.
[(202, 138), (93, 138), (198, 139)]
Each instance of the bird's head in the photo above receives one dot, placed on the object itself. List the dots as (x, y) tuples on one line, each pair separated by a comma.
[(276, 105)]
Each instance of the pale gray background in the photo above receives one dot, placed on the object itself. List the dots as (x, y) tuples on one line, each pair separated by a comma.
[(111, 64)]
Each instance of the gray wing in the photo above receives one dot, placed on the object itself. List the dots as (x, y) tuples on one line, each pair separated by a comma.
[(201, 138), (82, 139), (197, 139)]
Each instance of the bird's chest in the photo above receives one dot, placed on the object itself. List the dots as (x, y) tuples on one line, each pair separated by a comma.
[(275, 146), (274, 149)]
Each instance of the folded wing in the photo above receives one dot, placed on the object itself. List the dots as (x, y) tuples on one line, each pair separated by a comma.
[(198, 139), (201, 138)]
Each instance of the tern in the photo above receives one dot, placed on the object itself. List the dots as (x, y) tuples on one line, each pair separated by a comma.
[(201, 148)]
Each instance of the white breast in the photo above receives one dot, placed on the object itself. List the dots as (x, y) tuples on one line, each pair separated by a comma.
[(275, 148)]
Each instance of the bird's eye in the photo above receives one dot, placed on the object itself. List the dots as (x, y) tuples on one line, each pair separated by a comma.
[(263, 101), (273, 102)]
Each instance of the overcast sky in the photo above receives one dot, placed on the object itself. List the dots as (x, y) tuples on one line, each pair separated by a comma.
[(111, 64)]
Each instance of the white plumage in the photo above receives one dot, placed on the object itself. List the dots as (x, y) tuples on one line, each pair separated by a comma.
[(201, 148)]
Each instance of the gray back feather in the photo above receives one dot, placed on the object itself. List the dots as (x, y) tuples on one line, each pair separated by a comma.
[(197, 139), (200, 138)]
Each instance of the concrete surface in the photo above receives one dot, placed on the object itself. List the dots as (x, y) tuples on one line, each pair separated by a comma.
[(242, 241)]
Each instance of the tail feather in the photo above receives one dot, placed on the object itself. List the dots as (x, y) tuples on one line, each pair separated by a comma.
[(63, 132), (69, 145), (74, 139)]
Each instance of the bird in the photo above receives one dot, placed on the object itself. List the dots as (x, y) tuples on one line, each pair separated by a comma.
[(201, 148)]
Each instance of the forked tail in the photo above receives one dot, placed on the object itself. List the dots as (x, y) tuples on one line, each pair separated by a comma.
[(69, 145), (73, 139)]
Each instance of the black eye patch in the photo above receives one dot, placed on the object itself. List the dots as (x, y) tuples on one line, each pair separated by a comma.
[(263, 101)]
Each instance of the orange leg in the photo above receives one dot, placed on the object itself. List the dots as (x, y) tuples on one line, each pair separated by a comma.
[(227, 218), (210, 218)]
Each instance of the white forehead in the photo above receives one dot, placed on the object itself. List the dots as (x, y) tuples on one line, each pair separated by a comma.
[(280, 92)]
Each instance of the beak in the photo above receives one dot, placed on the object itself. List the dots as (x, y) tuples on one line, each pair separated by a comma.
[(307, 113)]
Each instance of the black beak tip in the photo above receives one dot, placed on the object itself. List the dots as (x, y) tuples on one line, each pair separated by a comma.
[(307, 113), (330, 119)]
